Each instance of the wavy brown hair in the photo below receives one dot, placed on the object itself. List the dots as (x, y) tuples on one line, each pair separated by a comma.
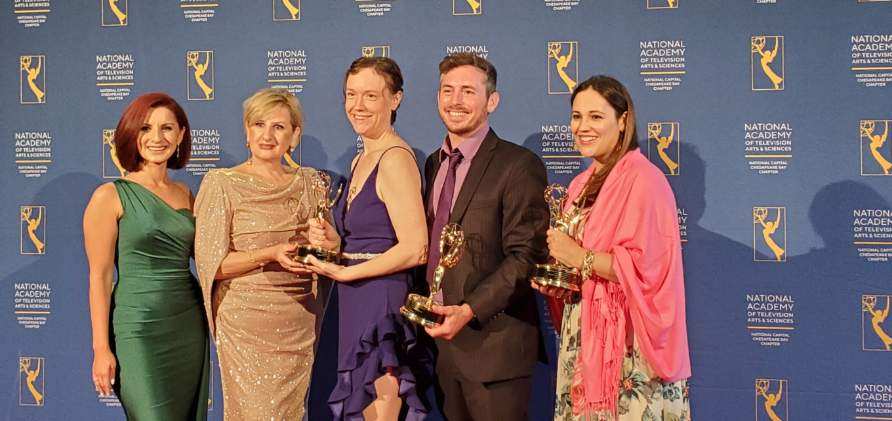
[(619, 99)]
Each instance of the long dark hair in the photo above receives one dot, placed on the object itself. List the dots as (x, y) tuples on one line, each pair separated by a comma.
[(619, 99)]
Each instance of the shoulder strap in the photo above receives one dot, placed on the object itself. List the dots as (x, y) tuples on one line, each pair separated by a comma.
[(395, 147), (380, 157)]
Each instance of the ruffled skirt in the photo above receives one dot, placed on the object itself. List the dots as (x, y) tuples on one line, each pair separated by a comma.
[(375, 339)]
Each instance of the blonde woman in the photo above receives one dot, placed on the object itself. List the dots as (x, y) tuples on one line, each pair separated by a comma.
[(262, 306)]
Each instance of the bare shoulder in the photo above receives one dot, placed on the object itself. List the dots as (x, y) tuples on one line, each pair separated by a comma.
[(183, 188), (105, 198), (398, 159), (105, 194)]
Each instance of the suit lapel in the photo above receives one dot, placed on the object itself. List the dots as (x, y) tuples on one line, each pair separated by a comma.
[(431, 169), (475, 175)]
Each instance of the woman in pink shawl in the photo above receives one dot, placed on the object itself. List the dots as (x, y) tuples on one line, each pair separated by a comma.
[(624, 345)]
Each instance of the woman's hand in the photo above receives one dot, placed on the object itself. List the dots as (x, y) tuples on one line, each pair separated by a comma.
[(564, 249), (104, 368), (560, 294), (322, 234), (282, 254), (331, 270)]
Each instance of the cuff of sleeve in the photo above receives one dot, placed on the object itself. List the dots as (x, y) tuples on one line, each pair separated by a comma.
[(477, 317)]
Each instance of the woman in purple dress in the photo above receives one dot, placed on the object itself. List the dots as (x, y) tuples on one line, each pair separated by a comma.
[(383, 234)]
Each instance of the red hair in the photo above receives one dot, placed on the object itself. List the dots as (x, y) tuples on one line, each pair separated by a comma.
[(131, 123)]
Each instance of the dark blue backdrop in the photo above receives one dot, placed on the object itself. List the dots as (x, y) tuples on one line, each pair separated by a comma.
[(774, 118)]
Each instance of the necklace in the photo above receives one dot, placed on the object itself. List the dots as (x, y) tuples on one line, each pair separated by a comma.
[(354, 189)]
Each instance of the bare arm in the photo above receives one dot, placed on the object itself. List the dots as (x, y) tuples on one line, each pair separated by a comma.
[(100, 235), (399, 187)]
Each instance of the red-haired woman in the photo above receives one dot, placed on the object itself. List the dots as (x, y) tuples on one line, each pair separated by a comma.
[(150, 337)]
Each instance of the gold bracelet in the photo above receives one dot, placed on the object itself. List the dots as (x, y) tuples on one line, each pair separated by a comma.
[(253, 260), (588, 265)]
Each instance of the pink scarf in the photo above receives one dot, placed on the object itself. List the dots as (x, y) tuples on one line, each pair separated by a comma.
[(634, 219)]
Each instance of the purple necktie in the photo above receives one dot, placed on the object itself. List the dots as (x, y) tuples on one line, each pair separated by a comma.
[(441, 217)]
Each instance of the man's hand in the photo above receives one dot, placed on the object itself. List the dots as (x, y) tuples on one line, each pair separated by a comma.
[(456, 319)]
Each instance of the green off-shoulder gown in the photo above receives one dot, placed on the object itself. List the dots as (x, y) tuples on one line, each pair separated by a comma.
[(159, 330)]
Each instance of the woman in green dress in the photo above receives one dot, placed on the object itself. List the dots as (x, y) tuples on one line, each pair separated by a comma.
[(150, 338)]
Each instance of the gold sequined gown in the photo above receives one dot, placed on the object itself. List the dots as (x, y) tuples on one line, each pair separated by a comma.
[(265, 321)]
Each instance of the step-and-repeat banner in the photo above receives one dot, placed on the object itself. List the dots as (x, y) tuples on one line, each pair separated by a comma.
[(772, 119)]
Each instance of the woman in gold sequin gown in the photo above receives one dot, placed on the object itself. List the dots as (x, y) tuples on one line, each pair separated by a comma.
[(262, 306)]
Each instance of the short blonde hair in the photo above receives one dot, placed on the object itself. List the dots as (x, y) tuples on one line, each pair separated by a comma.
[(265, 100)]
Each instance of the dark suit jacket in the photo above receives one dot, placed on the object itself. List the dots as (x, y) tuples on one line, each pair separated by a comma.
[(501, 209)]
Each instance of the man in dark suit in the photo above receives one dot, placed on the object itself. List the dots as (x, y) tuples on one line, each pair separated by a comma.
[(490, 339)]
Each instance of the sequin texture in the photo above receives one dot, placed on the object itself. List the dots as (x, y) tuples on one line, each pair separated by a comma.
[(266, 321)]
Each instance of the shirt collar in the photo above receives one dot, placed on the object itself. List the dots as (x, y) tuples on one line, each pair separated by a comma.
[(469, 147)]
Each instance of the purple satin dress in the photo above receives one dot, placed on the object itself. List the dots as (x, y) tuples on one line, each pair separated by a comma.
[(373, 335)]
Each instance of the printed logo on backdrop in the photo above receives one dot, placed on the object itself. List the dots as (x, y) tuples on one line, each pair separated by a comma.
[(32, 371), (114, 75), (874, 1), (372, 8), (683, 224), (286, 10), (206, 151), (478, 49), (111, 401), (872, 59), (33, 151), (113, 12), (873, 401), (769, 234), (767, 62), (771, 400), (32, 303), (286, 69), (876, 151), (33, 229), (561, 5), (662, 63), (32, 79), (197, 11), (31, 13), (111, 167), (200, 75), (872, 234), (875, 332), (662, 4), (562, 59), (467, 7), (663, 140), (765, 1), (558, 151), (375, 51), (768, 146), (770, 318)]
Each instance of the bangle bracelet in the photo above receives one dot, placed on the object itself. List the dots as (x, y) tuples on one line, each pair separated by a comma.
[(588, 265)]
